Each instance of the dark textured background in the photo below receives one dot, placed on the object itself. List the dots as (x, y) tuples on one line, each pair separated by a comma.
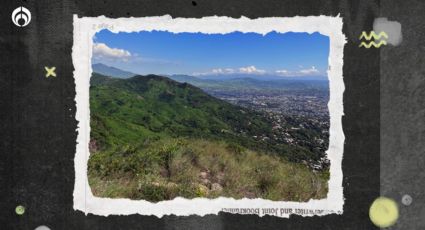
[(403, 113), (38, 126)]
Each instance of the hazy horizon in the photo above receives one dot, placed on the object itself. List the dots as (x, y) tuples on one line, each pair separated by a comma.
[(219, 76)]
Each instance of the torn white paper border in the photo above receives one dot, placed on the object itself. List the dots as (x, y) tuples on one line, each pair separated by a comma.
[(84, 30)]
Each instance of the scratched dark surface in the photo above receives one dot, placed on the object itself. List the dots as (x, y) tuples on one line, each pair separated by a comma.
[(38, 126), (403, 113)]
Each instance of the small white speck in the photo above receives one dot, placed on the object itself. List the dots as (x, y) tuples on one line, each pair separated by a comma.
[(406, 200)]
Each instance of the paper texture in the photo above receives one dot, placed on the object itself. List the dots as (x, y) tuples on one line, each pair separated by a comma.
[(84, 30)]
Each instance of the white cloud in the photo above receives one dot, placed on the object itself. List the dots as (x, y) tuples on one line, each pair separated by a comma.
[(242, 70), (102, 51), (251, 70), (222, 71), (298, 73), (282, 72), (310, 71)]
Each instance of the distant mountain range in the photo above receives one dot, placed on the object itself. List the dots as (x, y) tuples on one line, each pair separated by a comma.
[(260, 77), (232, 82), (255, 84), (111, 71)]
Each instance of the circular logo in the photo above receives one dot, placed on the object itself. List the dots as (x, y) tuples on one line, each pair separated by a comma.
[(21, 16)]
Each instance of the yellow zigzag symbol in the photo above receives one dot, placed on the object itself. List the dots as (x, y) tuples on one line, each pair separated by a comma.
[(372, 43), (372, 34)]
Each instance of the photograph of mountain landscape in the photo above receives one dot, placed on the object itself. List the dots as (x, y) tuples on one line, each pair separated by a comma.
[(193, 115)]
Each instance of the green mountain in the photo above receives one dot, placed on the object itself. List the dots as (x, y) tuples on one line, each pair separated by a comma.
[(111, 71), (131, 111), (155, 139)]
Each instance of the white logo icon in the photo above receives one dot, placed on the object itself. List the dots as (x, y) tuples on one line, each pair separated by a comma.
[(21, 16)]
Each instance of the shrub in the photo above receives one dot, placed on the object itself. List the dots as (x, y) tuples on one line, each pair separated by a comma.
[(167, 168)]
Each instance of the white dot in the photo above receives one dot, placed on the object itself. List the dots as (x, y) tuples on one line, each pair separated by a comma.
[(42, 227), (406, 200)]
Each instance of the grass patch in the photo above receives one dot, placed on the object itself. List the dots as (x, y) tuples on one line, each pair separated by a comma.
[(190, 168)]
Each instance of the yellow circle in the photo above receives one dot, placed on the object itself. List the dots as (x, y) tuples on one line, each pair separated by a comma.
[(383, 212), (20, 210)]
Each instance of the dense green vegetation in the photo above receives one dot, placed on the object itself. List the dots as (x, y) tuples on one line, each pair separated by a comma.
[(153, 138)]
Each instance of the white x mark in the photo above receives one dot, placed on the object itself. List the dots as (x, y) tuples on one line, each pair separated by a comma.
[(50, 71)]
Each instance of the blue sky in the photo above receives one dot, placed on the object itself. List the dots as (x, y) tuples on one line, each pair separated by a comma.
[(157, 52)]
